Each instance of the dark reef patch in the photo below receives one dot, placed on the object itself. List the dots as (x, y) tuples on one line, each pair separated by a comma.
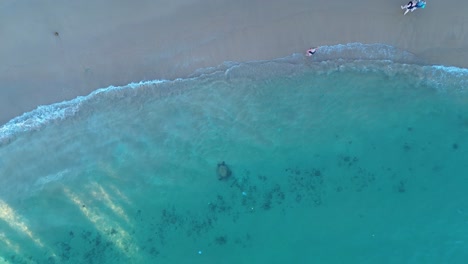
[(247, 193), (400, 187), (221, 240)]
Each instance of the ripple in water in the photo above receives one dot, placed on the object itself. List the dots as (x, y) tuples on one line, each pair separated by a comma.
[(354, 155)]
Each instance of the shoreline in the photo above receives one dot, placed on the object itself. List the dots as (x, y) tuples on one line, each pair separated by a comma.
[(437, 76), (101, 44)]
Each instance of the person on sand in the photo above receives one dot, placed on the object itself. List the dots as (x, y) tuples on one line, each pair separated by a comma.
[(311, 51), (413, 5)]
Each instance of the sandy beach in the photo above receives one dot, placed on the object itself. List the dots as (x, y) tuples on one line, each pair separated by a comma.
[(53, 51)]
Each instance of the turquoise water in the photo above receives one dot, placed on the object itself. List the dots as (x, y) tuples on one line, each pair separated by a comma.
[(333, 161)]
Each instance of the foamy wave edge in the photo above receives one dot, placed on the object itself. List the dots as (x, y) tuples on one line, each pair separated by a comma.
[(329, 58), (45, 114)]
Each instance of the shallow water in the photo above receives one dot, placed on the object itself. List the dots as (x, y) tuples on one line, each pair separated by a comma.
[(333, 161)]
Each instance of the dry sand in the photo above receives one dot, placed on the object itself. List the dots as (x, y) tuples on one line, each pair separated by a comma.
[(103, 42)]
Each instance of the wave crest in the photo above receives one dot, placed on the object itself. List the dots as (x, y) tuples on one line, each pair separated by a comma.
[(342, 57)]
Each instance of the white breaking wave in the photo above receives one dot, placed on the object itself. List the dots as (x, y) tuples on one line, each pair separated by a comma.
[(329, 58)]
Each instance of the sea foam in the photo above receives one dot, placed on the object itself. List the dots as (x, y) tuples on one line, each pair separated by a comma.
[(341, 57)]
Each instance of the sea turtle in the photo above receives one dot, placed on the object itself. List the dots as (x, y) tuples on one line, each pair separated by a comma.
[(223, 171)]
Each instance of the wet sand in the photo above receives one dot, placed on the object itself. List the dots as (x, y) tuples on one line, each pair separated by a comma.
[(101, 43)]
